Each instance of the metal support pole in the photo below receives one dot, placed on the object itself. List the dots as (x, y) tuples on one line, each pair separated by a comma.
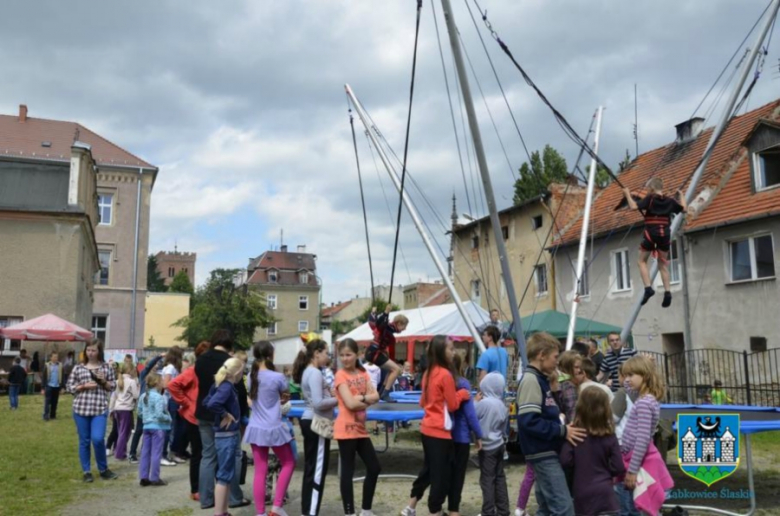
[(716, 134), (486, 182), (584, 232), (415, 218)]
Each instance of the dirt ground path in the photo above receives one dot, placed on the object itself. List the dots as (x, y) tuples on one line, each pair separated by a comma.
[(124, 497)]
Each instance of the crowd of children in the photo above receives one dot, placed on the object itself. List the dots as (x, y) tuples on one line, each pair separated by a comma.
[(586, 447)]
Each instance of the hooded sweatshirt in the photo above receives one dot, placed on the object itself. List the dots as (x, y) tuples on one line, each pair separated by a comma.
[(206, 367), (465, 421), (492, 412)]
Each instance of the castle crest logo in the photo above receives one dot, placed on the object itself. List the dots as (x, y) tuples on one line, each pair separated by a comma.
[(708, 445)]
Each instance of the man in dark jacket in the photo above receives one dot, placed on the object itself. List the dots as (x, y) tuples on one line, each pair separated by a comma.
[(206, 367), (16, 378)]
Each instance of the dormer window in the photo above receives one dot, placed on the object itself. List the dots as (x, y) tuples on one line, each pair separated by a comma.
[(272, 276), (767, 168), (303, 278)]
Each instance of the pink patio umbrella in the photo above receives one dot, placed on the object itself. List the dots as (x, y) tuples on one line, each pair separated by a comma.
[(48, 328)]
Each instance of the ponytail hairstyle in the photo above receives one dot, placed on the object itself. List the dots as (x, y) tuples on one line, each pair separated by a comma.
[(353, 347), (436, 355), (457, 366), (124, 369), (305, 356), (263, 351), (229, 369), (153, 381)]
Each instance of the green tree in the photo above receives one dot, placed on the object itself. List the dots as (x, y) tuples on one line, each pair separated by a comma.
[(219, 304), (154, 282), (625, 163), (340, 328), (380, 305), (535, 177), (181, 283)]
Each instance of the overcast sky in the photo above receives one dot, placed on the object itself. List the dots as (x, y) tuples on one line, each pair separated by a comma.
[(242, 106)]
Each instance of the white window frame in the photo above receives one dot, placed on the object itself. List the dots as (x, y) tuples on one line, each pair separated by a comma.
[(760, 176), (303, 300), (5, 344), (272, 329), (624, 273), (303, 326), (303, 278), (675, 265), (94, 328), (476, 291), (537, 268), (109, 206), (98, 276), (271, 301), (753, 264), (583, 289)]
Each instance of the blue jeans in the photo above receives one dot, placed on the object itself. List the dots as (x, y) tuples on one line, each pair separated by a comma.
[(208, 467), (293, 443), (626, 498), (552, 493), (13, 395), (226, 463), (92, 430)]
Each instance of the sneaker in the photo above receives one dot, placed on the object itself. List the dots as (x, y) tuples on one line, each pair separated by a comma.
[(88, 478), (649, 292), (386, 397), (506, 455), (108, 475), (278, 511), (178, 460), (133, 459), (166, 462), (667, 302), (144, 482), (195, 496), (160, 482), (364, 512), (109, 453), (408, 511), (519, 512)]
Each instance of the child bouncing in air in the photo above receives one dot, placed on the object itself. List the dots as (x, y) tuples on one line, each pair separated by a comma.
[(384, 338), (658, 211)]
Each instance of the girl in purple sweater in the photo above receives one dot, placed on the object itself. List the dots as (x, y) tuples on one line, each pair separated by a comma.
[(464, 424), (637, 446), (596, 461)]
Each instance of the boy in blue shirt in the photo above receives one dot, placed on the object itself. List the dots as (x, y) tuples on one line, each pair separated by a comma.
[(495, 358), (540, 428)]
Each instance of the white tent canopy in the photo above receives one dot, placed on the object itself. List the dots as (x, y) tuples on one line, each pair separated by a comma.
[(429, 321)]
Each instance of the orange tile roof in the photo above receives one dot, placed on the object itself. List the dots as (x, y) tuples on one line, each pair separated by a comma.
[(25, 139), (333, 310), (730, 198)]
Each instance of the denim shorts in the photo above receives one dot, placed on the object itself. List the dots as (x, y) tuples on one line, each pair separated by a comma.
[(226, 457)]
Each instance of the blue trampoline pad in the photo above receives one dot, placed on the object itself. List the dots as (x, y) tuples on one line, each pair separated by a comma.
[(387, 412)]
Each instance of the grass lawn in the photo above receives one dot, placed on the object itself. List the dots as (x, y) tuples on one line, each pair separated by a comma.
[(38, 459)]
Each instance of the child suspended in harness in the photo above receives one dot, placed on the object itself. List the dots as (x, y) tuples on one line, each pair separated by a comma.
[(384, 338), (658, 211)]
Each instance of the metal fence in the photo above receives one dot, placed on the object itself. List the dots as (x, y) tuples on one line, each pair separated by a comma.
[(747, 378)]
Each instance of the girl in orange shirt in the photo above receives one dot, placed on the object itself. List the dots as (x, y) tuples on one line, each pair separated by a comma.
[(355, 393), (438, 399)]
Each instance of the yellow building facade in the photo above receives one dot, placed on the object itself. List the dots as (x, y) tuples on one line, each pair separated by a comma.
[(163, 309)]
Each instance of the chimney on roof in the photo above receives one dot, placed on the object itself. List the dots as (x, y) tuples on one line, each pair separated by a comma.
[(22, 112), (301, 248), (689, 129), (283, 249)]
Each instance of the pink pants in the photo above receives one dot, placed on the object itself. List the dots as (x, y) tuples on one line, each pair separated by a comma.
[(285, 455), (525, 487)]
